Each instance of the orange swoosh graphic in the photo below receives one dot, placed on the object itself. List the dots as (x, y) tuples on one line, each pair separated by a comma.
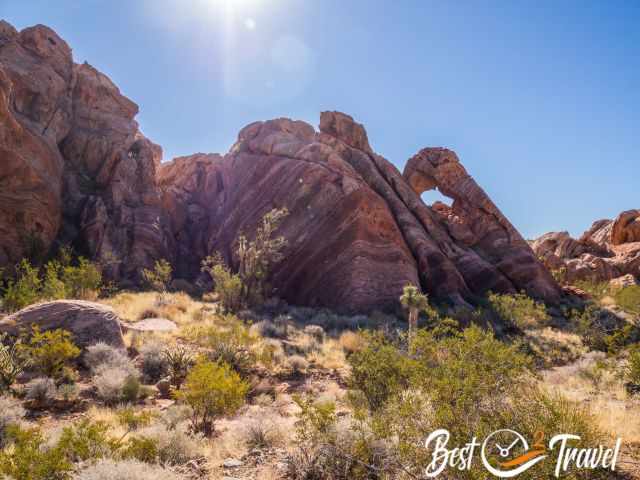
[(525, 457)]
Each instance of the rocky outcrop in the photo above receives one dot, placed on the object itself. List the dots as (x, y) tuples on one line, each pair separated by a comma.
[(357, 230), (608, 250), (75, 166), (88, 322), (489, 252)]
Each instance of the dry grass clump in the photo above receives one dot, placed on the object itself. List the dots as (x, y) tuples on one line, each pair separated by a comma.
[(352, 342), (595, 381), (331, 356), (178, 307), (125, 470), (555, 347)]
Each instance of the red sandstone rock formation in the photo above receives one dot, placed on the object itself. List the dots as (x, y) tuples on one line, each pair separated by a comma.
[(608, 250), (357, 232), (75, 168), (74, 165)]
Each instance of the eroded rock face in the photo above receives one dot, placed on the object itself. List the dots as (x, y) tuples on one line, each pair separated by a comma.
[(357, 230), (609, 250), (74, 165), (491, 254)]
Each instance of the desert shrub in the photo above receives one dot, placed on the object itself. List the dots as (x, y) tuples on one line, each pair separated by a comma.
[(11, 413), (316, 331), (132, 420), (352, 342), (270, 329), (53, 288), (24, 289), (140, 448), (130, 388), (304, 344), (297, 364), (597, 290), (41, 390), (628, 299), (378, 371), (262, 434), (154, 361), (329, 450), (473, 383), (255, 259), (68, 391), (49, 352), (519, 309), (601, 330), (160, 277), (229, 344), (175, 415), (102, 353), (179, 362), (212, 390), (174, 445), (12, 362), (633, 371), (30, 459), (86, 440), (82, 280), (228, 285), (125, 470), (110, 382)]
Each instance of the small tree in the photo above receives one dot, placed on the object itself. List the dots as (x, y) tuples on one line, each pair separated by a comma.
[(255, 259), (160, 276), (212, 390), (414, 301)]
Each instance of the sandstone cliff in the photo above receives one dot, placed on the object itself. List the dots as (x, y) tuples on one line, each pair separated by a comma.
[(75, 169)]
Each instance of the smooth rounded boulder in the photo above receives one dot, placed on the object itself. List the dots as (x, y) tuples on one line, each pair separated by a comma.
[(88, 322)]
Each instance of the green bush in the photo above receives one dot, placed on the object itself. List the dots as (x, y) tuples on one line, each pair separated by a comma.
[(519, 309), (86, 441), (228, 285), (49, 352), (378, 371), (59, 278), (29, 458), (628, 299), (82, 281), (24, 289), (633, 374), (211, 390), (141, 448)]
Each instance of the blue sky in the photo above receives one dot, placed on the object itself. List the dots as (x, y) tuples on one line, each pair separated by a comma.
[(540, 99)]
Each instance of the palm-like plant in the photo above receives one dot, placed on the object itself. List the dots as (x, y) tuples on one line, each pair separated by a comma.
[(415, 301)]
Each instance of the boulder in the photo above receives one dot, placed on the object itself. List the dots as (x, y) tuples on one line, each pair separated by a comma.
[(88, 322)]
